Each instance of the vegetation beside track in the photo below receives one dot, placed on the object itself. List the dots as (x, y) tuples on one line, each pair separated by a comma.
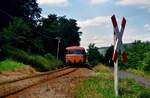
[(102, 86), (25, 29), (21, 58), (10, 65)]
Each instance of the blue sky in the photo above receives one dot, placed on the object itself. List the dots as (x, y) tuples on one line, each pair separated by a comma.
[(93, 17)]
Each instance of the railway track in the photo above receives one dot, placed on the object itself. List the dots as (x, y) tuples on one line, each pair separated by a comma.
[(15, 86)]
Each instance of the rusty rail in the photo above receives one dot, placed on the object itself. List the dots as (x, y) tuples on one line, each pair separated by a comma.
[(8, 88)]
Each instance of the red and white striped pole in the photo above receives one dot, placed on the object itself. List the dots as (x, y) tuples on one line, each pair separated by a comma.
[(115, 55), (118, 45), (124, 55)]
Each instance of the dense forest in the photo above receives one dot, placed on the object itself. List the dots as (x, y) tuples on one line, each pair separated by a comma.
[(26, 36), (22, 27)]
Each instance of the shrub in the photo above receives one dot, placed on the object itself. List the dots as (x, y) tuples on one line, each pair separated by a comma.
[(38, 62), (41, 63), (145, 94), (146, 62), (49, 56)]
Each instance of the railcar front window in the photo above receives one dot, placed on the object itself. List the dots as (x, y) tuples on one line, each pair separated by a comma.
[(74, 52)]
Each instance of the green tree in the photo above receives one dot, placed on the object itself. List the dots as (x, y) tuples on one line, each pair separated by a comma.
[(19, 34), (137, 55), (146, 62), (54, 26), (94, 57), (26, 9), (108, 56)]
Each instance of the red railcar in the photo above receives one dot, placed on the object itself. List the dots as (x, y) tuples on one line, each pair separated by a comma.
[(75, 55)]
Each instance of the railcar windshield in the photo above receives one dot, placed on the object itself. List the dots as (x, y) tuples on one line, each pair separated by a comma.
[(75, 52)]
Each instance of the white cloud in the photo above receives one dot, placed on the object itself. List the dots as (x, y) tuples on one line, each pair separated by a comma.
[(96, 30), (129, 38), (140, 3), (95, 2), (97, 21), (98, 39), (147, 27), (52, 2), (131, 34), (99, 30)]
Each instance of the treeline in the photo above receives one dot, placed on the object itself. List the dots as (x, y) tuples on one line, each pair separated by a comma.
[(22, 27), (29, 38), (138, 56)]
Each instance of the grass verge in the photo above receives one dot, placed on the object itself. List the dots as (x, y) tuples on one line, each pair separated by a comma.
[(10, 65), (102, 86), (39, 62)]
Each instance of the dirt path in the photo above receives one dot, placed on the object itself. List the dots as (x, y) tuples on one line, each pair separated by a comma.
[(58, 88), (139, 79)]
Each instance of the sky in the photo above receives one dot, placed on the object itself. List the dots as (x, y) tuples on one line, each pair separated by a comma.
[(94, 18)]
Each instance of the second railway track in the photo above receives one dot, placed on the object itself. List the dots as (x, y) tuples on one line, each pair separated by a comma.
[(12, 87)]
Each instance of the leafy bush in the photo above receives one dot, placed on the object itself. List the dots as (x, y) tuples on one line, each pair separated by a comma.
[(145, 94), (146, 62), (41, 63), (38, 62), (138, 56), (49, 56)]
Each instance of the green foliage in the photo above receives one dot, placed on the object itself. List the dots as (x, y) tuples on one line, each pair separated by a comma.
[(129, 88), (145, 94), (19, 35), (41, 39), (49, 56), (94, 57), (138, 56), (55, 26), (10, 65), (146, 62), (102, 86), (108, 56), (27, 9), (22, 27), (39, 62), (94, 87)]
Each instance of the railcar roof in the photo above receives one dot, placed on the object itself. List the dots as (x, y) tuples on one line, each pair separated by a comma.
[(74, 47)]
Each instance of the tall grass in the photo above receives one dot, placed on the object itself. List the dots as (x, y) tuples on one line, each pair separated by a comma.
[(102, 86), (41, 63), (10, 65)]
